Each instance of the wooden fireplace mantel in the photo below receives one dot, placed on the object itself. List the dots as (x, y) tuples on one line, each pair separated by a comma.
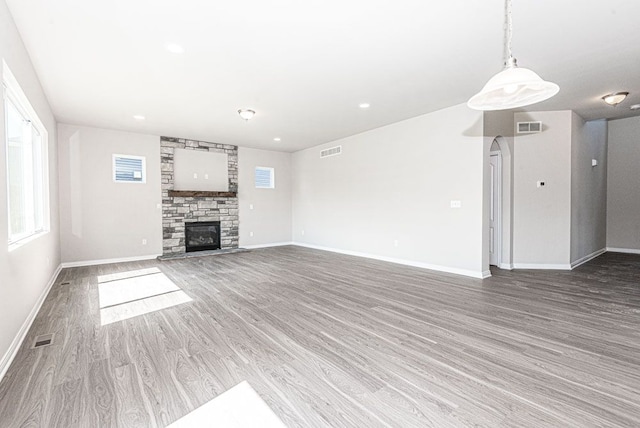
[(201, 194)]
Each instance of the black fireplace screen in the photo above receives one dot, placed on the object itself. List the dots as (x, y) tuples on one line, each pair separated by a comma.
[(202, 235)]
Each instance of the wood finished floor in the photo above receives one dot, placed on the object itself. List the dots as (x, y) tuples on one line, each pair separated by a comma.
[(333, 340)]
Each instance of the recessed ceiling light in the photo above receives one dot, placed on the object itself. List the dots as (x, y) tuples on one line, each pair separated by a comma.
[(635, 107), (246, 114), (276, 139), (175, 48), (139, 117), (615, 98), (364, 105)]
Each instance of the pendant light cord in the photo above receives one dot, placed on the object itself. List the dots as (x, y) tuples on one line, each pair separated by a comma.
[(510, 61)]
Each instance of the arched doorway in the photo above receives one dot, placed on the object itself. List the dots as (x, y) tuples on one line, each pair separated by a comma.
[(495, 205), (500, 204)]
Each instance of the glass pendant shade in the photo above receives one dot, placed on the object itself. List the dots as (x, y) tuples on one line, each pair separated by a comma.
[(511, 88)]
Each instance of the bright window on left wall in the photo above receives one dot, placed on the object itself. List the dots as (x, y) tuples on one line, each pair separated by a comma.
[(129, 169), (27, 174)]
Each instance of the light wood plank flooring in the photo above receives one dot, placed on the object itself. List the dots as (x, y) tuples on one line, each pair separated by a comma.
[(333, 340)]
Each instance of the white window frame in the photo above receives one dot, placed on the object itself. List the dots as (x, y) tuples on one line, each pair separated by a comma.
[(12, 93), (144, 168), (272, 174)]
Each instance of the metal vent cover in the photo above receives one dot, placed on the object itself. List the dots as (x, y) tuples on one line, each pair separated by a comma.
[(529, 127), (43, 340), (333, 151)]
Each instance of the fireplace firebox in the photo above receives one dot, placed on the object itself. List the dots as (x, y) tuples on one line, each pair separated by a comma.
[(202, 235)]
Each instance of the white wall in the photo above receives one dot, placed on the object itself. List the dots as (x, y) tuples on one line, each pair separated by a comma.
[(588, 188), (270, 218), (395, 183), (623, 185), (102, 219), (542, 216), (25, 272)]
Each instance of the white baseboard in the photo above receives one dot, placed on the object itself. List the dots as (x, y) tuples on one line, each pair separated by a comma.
[(447, 269), (570, 266), (507, 266), (623, 250), (108, 261), (542, 266), (8, 357), (588, 257), (275, 244)]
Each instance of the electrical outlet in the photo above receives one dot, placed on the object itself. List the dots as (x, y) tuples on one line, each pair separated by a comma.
[(456, 204), (195, 175), (395, 242), (302, 232), (206, 176), (144, 241), (540, 184), (250, 233), (250, 206)]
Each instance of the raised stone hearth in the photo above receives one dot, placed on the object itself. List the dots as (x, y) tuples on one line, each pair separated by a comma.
[(179, 207)]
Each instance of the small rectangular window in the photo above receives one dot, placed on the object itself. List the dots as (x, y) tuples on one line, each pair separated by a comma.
[(26, 144), (129, 169), (264, 178)]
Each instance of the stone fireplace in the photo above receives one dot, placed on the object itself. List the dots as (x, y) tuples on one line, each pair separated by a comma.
[(181, 207)]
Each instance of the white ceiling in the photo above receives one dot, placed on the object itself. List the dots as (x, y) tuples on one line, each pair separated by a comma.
[(304, 66)]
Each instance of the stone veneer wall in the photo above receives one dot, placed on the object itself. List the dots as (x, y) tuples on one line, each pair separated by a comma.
[(178, 210)]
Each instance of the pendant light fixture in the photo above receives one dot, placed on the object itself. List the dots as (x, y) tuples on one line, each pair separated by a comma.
[(514, 86)]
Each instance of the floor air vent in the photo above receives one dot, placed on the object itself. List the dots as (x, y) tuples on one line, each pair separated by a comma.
[(529, 127), (333, 151), (43, 340)]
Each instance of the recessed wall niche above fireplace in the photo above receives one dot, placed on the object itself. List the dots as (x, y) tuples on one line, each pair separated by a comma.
[(181, 206)]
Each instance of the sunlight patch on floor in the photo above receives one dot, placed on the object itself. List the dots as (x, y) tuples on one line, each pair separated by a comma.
[(128, 274), (238, 407), (125, 295)]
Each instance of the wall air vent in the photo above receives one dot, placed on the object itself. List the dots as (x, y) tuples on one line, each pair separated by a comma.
[(529, 127), (333, 151)]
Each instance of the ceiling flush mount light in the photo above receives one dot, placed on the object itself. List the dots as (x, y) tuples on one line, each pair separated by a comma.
[(139, 117), (635, 107), (364, 105), (175, 48), (246, 114), (277, 139), (615, 98), (514, 86)]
